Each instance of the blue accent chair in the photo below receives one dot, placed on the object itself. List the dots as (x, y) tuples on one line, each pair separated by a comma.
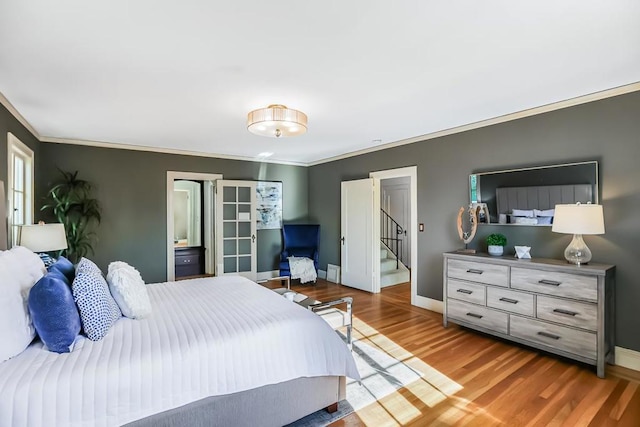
[(299, 240)]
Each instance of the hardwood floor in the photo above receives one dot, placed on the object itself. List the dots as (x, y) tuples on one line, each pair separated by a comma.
[(477, 380)]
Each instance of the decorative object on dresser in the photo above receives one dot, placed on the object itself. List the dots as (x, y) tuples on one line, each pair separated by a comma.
[(523, 252), (544, 303), (467, 234), (496, 243), (578, 219)]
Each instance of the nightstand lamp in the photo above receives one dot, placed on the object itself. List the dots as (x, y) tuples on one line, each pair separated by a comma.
[(43, 237), (578, 219)]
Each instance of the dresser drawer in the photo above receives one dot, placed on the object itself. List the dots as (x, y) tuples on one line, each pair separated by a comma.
[(466, 291), (477, 315), (513, 301), (553, 283), (578, 314), (490, 274), (557, 337)]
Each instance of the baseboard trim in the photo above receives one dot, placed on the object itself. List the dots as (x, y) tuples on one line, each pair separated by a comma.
[(266, 275), (628, 358), (428, 303), (322, 274)]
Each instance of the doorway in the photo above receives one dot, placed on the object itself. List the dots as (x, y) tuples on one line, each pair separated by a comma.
[(369, 256), (207, 217), (188, 228), (404, 182)]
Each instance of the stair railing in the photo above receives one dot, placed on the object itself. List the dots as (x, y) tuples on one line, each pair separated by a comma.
[(392, 235)]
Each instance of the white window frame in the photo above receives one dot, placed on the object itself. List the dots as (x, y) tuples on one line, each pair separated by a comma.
[(16, 148)]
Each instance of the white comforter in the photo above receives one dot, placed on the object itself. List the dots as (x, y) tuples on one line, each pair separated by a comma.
[(205, 337)]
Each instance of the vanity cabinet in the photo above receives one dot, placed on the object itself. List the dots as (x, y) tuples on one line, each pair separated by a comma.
[(189, 261), (547, 304)]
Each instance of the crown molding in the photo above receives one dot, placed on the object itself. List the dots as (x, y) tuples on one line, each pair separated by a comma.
[(596, 96), (132, 147), (9, 106)]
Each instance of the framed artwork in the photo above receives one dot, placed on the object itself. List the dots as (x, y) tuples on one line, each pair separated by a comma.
[(269, 205)]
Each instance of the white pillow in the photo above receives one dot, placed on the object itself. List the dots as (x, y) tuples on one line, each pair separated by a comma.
[(545, 213), (523, 213), (16, 328), (26, 267), (128, 289)]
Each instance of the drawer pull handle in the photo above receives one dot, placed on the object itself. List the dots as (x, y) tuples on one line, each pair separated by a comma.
[(477, 316), (474, 271), (548, 335), (465, 291), (567, 312), (549, 282), (509, 300)]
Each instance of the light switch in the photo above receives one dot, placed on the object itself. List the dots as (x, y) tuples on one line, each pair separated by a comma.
[(421, 227)]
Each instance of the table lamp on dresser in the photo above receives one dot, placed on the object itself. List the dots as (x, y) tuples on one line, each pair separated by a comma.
[(578, 219)]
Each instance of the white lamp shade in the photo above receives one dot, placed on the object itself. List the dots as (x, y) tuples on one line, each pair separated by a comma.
[(43, 237), (578, 219)]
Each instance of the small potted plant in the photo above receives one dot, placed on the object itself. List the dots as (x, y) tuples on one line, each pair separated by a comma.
[(496, 243)]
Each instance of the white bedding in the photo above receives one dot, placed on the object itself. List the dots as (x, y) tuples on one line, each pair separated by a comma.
[(205, 337)]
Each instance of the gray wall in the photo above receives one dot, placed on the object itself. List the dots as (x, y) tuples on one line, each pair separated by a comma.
[(131, 186), (607, 131)]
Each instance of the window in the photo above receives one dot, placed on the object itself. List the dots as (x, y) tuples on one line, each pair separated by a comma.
[(20, 187)]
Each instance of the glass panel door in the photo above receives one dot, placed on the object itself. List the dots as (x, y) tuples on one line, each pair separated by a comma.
[(236, 228)]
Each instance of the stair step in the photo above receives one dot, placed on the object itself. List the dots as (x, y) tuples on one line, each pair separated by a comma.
[(388, 265), (394, 277)]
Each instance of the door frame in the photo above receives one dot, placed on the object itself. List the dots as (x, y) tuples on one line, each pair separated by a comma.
[(172, 176), (412, 173)]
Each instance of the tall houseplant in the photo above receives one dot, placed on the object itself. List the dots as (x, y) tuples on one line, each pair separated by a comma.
[(71, 202)]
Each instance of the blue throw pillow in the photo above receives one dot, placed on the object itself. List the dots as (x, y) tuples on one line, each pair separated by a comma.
[(59, 275), (98, 310), (54, 313), (65, 267)]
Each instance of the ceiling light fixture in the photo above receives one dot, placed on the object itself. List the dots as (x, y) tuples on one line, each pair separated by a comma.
[(277, 120)]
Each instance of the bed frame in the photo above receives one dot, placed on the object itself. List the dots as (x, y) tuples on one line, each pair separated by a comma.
[(272, 405)]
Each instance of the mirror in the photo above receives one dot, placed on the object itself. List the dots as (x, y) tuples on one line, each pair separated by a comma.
[(187, 213), (527, 196)]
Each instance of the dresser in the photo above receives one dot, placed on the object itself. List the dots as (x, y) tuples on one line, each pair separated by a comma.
[(544, 303)]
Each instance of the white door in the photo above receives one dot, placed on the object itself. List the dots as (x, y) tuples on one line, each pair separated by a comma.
[(236, 228), (358, 254)]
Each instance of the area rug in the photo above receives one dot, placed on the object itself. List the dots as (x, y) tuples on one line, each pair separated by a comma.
[(381, 375)]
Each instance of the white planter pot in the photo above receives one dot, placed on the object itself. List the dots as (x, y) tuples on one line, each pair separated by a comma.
[(496, 250)]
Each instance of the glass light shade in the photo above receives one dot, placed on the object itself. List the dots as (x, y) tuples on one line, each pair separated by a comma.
[(277, 120), (578, 219), (43, 237)]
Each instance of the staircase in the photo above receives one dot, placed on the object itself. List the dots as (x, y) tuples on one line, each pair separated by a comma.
[(392, 272)]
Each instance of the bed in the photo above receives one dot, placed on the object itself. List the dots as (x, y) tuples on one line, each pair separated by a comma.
[(214, 351)]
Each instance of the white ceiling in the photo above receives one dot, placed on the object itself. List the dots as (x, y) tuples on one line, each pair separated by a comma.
[(183, 74)]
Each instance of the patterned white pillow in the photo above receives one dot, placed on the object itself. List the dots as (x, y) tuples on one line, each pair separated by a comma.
[(128, 289), (98, 309)]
